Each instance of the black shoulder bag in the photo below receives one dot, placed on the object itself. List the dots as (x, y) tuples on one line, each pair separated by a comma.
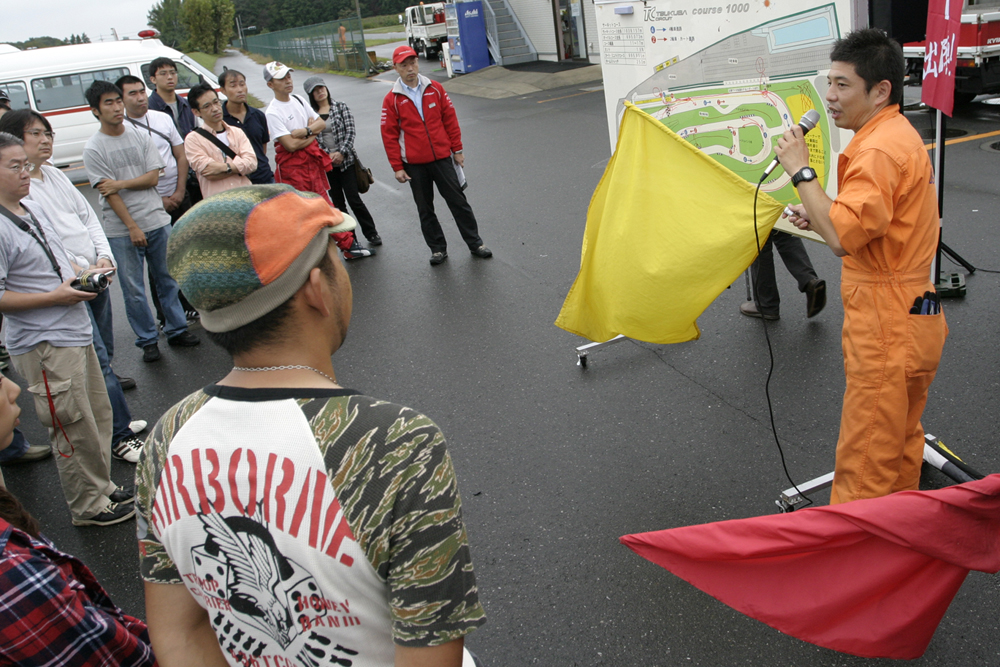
[(227, 151), (30, 231)]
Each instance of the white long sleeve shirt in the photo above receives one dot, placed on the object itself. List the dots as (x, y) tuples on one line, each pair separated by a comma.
[(76, 222)]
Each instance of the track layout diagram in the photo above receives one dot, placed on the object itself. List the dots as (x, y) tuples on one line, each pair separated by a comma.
[(734, 97), (738, 125)]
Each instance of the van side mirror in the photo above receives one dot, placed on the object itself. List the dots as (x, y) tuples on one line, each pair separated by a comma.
[(400, 18)]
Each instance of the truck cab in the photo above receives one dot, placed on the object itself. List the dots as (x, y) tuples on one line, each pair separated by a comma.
[(426, 29), (977, 57)]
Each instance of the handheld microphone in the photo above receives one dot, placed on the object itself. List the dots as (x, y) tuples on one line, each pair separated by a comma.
[(807, 122)]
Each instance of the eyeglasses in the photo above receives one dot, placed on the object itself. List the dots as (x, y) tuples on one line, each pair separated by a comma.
[(37, 133), (208, 105), (21, 168)]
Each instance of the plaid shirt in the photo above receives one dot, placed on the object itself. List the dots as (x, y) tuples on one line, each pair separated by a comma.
[(339, 133), (53, 611)]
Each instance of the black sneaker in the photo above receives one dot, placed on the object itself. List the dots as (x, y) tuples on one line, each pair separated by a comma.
[(482, 252), (113, 513), (151, 352), (186, 339), (127, 383), (128, 448), (375, 240), (438, 257), (192, 315), (123, 496)]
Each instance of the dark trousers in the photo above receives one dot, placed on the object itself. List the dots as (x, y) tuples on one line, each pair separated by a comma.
[(175, 215), (793, 254), (344, 184), (423, 177)]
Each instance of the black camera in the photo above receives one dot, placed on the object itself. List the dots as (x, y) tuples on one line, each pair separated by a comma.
[(92, 281)]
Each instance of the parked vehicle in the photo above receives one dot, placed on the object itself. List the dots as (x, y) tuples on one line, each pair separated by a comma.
[(977, 67), (52, 81), (426, 30)]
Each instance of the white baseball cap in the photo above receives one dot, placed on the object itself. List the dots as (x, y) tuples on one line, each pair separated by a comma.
[(276, 70)]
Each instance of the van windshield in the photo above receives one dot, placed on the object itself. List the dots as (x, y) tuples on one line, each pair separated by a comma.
[(67, 90)]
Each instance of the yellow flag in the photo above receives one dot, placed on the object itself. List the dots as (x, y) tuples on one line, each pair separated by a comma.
[(668, 229)]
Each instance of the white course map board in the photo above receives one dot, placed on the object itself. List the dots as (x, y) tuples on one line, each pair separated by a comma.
[(729, 78)]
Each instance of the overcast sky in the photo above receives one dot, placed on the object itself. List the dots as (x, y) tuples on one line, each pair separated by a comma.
[(62, 18)]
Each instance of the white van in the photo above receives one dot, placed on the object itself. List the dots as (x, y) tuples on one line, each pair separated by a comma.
[(52, 81)]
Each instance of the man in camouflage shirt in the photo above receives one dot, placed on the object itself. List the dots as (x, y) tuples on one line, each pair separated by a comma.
[(284, 520)]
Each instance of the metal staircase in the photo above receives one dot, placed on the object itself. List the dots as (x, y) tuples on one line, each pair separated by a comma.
[(508, 42)]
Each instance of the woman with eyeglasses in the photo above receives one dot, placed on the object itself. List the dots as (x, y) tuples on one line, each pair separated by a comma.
[(53, 611), (81, 232)]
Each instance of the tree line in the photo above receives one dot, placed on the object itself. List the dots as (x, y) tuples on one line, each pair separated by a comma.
[(178, 27), (44, 42), (194, 25)]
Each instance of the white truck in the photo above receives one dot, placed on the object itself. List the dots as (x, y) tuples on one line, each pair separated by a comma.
[(426, 29), (977, 66)]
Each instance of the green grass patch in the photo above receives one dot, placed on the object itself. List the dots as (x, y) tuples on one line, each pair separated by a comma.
[(254, 102), (396, 27), (206, 60), (382, 21), (369, 43)]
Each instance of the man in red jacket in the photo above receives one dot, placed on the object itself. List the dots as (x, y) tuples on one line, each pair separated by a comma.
[(424, 145)]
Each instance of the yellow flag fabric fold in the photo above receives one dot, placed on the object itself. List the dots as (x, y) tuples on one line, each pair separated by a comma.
[(668, 229)]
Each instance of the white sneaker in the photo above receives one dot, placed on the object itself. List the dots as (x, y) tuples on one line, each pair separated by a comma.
[(137, 426), (128, 449)]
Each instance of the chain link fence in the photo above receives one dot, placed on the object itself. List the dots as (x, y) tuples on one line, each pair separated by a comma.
[(338, 45)]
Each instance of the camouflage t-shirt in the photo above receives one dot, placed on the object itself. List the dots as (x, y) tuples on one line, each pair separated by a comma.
[(315, 525)]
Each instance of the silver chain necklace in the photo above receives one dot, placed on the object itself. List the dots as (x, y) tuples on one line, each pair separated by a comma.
[(259, 369)]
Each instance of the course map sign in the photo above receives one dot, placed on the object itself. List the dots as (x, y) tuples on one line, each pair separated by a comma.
[(729, 78)]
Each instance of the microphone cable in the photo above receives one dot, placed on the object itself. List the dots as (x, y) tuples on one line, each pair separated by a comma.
[(770, 354)]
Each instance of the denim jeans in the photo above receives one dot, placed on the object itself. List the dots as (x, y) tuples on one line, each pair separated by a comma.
[(121, 416), (18, 446), (130, 271), (101, 317)]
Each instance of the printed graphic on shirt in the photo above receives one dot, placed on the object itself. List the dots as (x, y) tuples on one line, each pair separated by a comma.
[(272, 598), (320, 528)]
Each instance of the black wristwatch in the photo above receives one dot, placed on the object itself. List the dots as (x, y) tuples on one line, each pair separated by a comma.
[(309, 132), (802, 175)]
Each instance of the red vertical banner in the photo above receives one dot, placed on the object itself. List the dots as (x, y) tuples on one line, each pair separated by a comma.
[(944, 20)]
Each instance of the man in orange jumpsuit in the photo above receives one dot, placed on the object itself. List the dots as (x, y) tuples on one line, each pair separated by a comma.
[(884, 224)]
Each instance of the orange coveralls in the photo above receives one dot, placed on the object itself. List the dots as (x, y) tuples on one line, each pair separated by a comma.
[(886, 216)]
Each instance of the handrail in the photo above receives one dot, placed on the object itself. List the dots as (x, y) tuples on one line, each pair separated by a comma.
[(492, 36)]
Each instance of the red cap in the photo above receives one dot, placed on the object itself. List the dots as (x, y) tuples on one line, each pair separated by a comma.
[(402, 53)]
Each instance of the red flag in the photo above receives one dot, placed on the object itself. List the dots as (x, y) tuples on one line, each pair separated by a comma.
[(944, 20), (871, 577)]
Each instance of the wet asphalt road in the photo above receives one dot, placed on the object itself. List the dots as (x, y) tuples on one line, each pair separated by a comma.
[(556, 462)]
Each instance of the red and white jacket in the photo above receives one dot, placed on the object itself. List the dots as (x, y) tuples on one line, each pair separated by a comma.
[(408, 137)]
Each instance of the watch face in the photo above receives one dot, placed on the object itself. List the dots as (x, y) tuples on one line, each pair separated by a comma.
[(805, 174)]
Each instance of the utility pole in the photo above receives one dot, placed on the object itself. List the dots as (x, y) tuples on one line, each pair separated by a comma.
[(239, 31)]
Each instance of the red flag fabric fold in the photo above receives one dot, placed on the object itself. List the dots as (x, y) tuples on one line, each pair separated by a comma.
[(871, 577)]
